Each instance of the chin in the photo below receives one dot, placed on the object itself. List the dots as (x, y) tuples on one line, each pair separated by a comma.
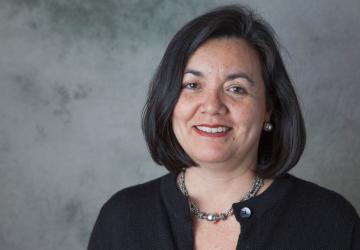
[(209, 157)]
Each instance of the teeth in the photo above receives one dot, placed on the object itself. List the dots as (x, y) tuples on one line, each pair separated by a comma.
[(212, 130)]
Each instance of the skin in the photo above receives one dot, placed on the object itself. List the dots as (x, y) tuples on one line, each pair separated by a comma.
[(212, 99), (222, 85)]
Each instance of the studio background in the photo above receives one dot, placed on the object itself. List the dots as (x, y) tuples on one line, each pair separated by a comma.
[(73, 81)]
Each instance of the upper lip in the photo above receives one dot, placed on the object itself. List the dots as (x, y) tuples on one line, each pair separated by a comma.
[(212, 125)]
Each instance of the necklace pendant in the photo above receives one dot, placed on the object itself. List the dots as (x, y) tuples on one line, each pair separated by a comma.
[(211, 217), (215, 217)]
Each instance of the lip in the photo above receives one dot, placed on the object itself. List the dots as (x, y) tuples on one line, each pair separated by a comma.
[(212, 126), (213, 135)]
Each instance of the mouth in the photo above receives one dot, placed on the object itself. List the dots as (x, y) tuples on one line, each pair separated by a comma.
[(212, 130)]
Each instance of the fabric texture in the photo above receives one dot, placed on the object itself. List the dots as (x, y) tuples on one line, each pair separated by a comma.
[(290, 214)]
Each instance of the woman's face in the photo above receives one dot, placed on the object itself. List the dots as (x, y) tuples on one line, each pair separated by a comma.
[(219, 115)]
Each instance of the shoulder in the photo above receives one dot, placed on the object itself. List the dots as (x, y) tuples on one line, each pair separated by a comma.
[(134, 197), (129, 207), (320, 201), (305, 210), (133, 211)]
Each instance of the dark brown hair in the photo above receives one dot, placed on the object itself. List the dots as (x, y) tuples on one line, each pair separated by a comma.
[(280, 149)]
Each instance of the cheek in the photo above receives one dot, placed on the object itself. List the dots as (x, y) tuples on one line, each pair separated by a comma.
[(180, 118), (183, 110), (250, 116)]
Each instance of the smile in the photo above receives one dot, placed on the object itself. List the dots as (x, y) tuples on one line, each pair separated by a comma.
[(219, 131)]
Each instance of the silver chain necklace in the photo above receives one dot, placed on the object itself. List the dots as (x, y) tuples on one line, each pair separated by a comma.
[(215, 217)]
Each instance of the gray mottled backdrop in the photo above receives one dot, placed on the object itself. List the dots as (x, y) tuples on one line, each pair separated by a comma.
[(73, 80)]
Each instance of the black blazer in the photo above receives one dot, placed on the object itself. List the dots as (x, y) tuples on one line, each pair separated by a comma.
[(290, 214)]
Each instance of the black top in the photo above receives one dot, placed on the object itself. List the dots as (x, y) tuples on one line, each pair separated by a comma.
[(290, 214)]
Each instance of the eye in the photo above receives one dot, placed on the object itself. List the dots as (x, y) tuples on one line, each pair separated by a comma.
[(237, 90), (190, 85)]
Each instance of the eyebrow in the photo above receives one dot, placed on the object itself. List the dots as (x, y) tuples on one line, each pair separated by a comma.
[(229, 77)]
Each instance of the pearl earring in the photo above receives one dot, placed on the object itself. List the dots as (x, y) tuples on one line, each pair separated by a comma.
[(267, 126)]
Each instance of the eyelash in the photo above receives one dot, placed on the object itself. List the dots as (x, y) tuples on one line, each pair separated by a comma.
[(189, 84), (185, 86), (243, 91)]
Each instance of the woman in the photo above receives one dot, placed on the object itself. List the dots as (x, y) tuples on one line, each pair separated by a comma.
[(222, 116)]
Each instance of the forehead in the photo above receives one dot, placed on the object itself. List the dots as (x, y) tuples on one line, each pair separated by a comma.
[(224, 55)]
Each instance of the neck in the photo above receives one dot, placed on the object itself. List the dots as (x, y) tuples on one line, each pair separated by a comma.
[(215, 189)]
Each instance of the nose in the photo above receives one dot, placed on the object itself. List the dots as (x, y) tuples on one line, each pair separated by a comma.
[(213, 104)]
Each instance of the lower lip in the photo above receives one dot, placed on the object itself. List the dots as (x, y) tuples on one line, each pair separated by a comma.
[(202, 133)]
